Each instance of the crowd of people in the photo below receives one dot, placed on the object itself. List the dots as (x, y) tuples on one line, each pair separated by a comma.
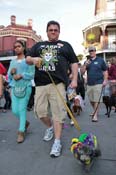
[(36, 78)]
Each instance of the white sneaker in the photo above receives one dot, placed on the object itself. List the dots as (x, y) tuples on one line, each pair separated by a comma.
[(56, 150), (48, 134), (71, 122)]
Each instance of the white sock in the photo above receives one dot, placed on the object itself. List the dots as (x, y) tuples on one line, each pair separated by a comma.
[(57, 141), (51, 128)]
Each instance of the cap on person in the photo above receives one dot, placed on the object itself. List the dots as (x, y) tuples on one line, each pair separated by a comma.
[(91, 48)]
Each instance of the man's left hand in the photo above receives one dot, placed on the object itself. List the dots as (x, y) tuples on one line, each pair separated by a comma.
[(73, 84), (104, 83)]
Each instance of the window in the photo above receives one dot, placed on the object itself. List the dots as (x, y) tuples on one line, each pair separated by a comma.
[(110, 5), (110, 8), (112, 39)]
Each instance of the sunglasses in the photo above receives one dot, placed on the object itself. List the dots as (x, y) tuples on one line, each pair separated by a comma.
[(53, 30), (91, 50)]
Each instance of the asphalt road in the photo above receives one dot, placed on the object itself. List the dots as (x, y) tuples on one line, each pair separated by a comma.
[(32, 156)]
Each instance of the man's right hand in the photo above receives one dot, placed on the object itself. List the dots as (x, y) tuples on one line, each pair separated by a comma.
[(37, 61), (87, 62)]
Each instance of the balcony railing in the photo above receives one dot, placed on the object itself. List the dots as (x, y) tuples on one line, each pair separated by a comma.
[(7, 53), (107, 47), (111, 47)]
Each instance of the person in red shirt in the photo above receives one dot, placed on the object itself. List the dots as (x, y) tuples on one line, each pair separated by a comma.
[(112, 70), (1, 86), (112, 77), (2, 69), (2, 72)]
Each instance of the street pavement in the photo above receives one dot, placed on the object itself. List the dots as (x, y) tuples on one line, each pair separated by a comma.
[(32, 156)]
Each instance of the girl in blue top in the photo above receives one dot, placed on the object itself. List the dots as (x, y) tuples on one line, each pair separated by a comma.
[(20, 75)]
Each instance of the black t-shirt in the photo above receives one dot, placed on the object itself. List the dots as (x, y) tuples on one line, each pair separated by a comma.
[(56, 56)]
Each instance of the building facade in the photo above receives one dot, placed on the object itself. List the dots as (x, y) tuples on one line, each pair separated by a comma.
[(13, 32), (102, 32)]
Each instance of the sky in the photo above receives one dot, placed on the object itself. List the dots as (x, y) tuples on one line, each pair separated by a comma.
[(73, 16)]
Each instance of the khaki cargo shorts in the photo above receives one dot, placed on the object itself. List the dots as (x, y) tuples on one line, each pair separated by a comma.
[(94, 92), (47, 101)]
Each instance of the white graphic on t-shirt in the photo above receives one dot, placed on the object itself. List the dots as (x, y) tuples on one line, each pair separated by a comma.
[(49, 58)]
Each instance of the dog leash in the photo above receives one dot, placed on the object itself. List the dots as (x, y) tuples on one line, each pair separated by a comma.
[(67, 108), (98, 102)]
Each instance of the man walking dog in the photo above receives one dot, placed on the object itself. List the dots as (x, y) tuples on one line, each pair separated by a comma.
[(55, 55), (97, 77)]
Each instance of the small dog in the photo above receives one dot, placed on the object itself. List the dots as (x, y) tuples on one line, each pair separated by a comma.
[(109, 98), (78, 105), (109, 103), (74, 102), (85, 149)]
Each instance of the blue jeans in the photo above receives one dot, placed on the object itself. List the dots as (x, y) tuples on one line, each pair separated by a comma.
[(19, 107)]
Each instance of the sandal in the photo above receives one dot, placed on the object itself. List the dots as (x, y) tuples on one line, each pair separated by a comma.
[(92, 114), (94, 120)]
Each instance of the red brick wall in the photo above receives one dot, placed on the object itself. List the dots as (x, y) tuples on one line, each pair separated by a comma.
[(8, 42), (1, 46), (30, 43)]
